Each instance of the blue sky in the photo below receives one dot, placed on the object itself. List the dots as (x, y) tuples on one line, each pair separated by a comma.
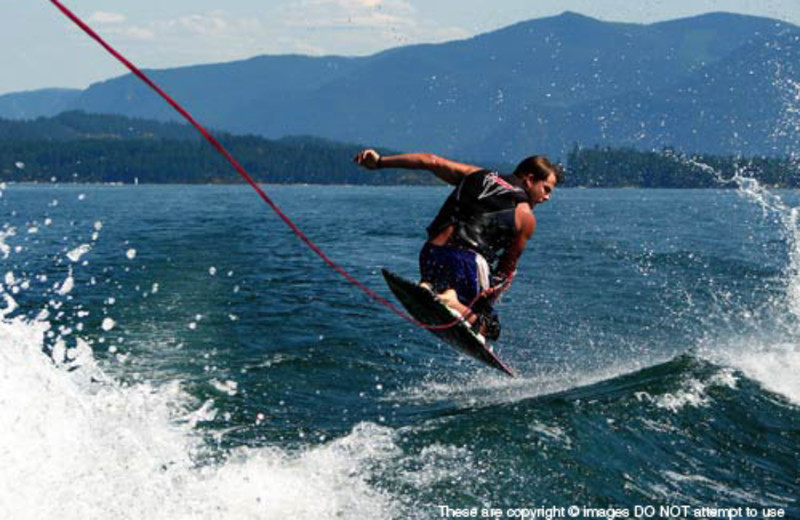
[(41, 49)]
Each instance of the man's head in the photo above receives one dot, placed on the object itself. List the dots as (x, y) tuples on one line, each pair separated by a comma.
[(540, 177)]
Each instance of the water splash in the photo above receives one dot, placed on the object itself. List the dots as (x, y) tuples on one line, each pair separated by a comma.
[(82, 440), (770, 354), (77, 444)]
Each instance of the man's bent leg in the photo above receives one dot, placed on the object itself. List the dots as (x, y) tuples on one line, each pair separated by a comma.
[(450, 298), (458, 276)]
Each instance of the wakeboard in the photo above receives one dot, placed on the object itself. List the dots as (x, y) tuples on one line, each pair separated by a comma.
[(423, 306)]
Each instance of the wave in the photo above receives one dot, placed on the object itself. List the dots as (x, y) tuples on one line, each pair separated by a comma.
[(709, 427), (686, 430), (773, 364), (681, 380), (78, 444)]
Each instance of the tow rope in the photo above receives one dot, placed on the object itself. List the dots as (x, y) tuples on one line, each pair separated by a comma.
[(246, 176)]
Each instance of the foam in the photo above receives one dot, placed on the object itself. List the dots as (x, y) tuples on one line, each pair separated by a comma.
[(7, 233), (77, 444), (774, 365), (694, 392), (487, 388), (76, 254)]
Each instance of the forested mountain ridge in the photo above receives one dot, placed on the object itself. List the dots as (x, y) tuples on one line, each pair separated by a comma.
[(718, 83)]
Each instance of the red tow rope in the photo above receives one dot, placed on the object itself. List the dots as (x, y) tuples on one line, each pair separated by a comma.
[(246, 176)]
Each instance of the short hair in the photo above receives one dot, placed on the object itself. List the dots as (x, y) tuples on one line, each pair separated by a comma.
[(540, 167)]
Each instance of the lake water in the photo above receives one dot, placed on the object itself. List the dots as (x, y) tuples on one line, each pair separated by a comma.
[(175, 352)]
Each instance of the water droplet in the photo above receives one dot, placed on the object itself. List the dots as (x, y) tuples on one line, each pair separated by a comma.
[(108, 324)]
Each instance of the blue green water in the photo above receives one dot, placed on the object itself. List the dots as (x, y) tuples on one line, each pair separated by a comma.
[(196, 360)]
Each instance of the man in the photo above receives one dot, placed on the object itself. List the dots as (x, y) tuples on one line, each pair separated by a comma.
[(476, 240)]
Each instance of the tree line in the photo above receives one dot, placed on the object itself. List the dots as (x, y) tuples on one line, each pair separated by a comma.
[(627, 167), (173, 161), (80, 147)]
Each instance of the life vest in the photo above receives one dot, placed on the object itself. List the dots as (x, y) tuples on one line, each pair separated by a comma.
[(482, 208)]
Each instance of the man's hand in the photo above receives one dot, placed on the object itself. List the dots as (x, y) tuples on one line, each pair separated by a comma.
[(500, 283), (369, 159)]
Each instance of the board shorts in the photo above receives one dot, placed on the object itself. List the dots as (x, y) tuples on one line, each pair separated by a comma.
[(465, 271), (446, 267)]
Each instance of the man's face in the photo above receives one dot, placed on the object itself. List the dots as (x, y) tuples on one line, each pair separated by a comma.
[(539, 191)]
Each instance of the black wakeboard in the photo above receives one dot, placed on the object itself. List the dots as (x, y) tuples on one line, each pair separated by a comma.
[(423, 306)]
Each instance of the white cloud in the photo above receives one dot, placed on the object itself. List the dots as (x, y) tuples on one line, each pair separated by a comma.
[(313, 27), (137, 33), (192, 38), (358, 26), (102, 17), (213, 24), (130, 33), (352, 14)]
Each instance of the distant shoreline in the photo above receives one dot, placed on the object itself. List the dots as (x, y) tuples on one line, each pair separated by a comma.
[(114, 150)]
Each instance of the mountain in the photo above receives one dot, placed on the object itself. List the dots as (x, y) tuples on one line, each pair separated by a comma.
[(744, 104), (73, 125), (36, 103), (714, 83)]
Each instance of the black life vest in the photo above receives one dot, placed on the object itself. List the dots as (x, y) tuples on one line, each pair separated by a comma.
[(482, 208)]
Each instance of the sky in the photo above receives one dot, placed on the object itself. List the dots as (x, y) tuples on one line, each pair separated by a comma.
[(41, 49)]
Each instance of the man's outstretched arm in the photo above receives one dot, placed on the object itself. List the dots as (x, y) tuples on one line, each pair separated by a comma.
[(449, 171)]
